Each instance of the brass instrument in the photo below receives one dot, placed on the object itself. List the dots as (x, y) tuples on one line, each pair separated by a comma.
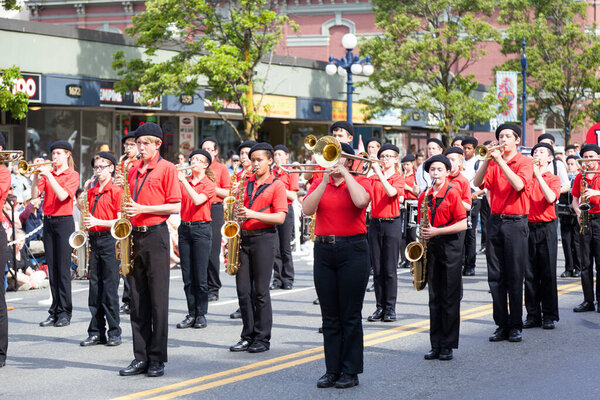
[(416, 252), (181, 169), (10, 155), (121, 229), (78, 240), (311, 228), (482, 152), (310, 141), (25, 168), (328, 151), (584, 204), (232, 228), (300, 168)]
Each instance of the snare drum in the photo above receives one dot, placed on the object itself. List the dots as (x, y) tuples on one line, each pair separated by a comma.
[(412, 212)]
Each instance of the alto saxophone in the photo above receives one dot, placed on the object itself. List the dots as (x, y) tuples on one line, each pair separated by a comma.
[(78, 240), (231, 229), (121, 229)]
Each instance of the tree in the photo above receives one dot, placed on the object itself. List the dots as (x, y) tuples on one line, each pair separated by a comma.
[(15, 103), (423, 56), (563, 57), (10, 4), (221, 41)]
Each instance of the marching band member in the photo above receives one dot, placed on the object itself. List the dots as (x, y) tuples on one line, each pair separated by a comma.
[(448, 222), (457, 141), (341, 268), (570, 150), (471, 165), (217, 214), (283, 269), (541, 296), (506, 179), (195, 232), (155, 195), (411, 192), (373, 145), (4, 188), (434, 147), (385, 230), (590, 239), (569, 227), (58, 183), (455, 178), (104, 205), (343, 131), (558, 166), (265, 205)]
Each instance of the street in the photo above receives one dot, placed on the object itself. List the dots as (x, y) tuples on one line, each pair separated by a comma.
[(549, 364)]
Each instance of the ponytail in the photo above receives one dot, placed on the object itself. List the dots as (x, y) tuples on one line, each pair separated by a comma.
[(70, 162), (211, 175)]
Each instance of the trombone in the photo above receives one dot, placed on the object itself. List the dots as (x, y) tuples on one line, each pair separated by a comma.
[(582, 167), (10, 155), (482, 152), (300, 168), (328, 151), (25, 168), (310, 141)]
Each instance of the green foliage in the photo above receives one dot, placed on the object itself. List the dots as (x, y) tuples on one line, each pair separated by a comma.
[(563, 57), (10, 4), (222, 42), (15, 103), (422, 58)]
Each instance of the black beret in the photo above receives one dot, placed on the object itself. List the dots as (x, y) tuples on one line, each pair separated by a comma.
[(487, 142), (589, 147), (204, 153), (513, 127), (247, 143), (545, 136), (436, 141), (570, 147), (455, 138), (107, 156), (437, 158), (346, 148), (388, 146), (2, 140), (149, 129), (209, 139), (572, 157), (130, 135), (61, 144), (344, 125), (281, 147), (454, 150), (261, 146), (470, 140), (409, 158), (545, 145), (373, 139)]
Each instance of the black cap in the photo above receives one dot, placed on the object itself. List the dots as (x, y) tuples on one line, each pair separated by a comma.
[(454, 150), (261, 146), (107, 156), (455, 138), (572, 157), (346, 148), (487, 142), (388, 146), (570, 147), (204, 153), (247, 143), (373, 139), (546, 136), (149, 129), (470, 140), (513, 127), (436, 141), (61, 144), (209, 139), (589, 147), (437, 158), (344, 125), (2, 140), (545, 145), (130, 135), (409, 158), (281, 147)]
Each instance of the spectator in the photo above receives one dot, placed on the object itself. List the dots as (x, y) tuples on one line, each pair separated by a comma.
[(20, 184), (27, 276), (31, 218)]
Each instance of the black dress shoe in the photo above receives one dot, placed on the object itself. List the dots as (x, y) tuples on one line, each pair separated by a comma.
[(62, 322), (499, 335), (433, 354), (346, 381), (274, 286), (548, 324), (446, 354), (327, 380), (576, 273), (236, 314), (135, 368), (531, 323), (200, 322), (481, 251), (213, 297), (114, 340), (156, 368), (188, 322), (316, 301), (376, 316), (125, 309), (469, 272), (320, 330), (93, 340), (258, 347), (50, 321), (287, 286), (585, 306), (389, 316), (515, 335), (2, 362), (566, 274), (242, 345), (371, 288)]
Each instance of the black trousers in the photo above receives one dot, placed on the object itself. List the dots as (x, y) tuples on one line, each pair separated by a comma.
[(126, 289), (484, 215), (384, 248), (194, 250), (3, 309), (257, 254), (541, 295), (341, 274), (506, 253), (283, 269), (58, 257), (471, 237), (149, 282), (590, 254), (444, 277), (569, 232), (103, 299), (214, 263)]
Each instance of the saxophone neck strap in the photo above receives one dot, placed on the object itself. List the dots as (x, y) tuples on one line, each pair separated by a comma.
[(434, 207), (250, 189), (96, 202), (136, 191)]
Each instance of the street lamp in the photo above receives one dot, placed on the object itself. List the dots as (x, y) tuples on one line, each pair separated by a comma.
[(347, 66), (524, 95), (285, 124)]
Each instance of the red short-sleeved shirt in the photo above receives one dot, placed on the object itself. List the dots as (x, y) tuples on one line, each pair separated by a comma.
[(316, 175), (270, 200), (410, 181), (594, 183), (504, 199), (539, 209), (222, 178), (69, 181), (4, 184), (161, 186), (460, 183), (449, 211), (108, 205), (382, 205), (191, 212), (290, 181), (336, 213)]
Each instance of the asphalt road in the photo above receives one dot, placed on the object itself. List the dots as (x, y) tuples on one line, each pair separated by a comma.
[(48, 363)]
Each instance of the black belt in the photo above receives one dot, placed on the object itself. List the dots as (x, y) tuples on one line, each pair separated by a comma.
[(386, 219), (340, 239), (541, 223), (98, 233), (510, 217), (49, 217), (217, 204), (149, 228), (594, 216), (257, 232), (194, 223)]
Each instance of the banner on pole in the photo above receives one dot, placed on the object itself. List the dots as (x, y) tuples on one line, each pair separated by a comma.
[(506, 91)]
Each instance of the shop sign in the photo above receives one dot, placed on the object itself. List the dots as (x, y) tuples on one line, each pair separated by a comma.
[(225, 106), (74, 91), (187, 135), (110, 97), (276, 106), (186, 99), (30, 84), (338, 112)]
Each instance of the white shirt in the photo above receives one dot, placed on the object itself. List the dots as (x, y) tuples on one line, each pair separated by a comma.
[(423, 178)]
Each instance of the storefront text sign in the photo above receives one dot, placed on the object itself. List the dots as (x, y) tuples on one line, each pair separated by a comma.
[(187, 135), (276, 106), (30, 84), (338, 111), (109, 96)]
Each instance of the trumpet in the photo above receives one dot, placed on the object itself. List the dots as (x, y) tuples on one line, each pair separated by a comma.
[(482, 152), (25, 168), (10, 155)]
